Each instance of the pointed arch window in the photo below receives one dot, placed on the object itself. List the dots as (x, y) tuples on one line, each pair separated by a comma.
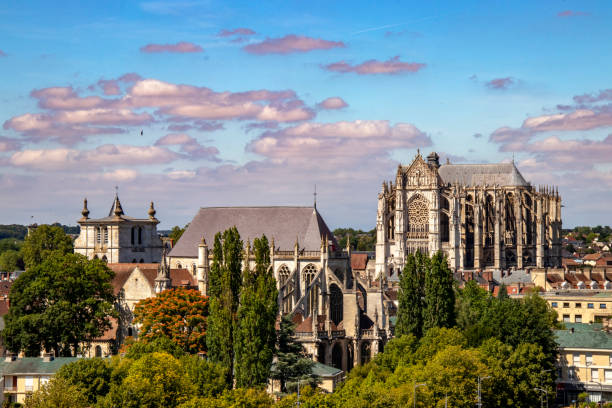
[(336, 304), (283, 275)]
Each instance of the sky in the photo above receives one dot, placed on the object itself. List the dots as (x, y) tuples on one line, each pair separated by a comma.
[(193, 103)]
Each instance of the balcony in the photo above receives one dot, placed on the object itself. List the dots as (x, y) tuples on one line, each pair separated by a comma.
[(338, 333)]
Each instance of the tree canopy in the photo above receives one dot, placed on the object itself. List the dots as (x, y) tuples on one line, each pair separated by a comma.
[(178, 314), (59, 303), (42, 241)]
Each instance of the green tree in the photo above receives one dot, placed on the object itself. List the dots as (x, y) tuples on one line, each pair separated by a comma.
[(58, 304), (237, 398), (473, 304), (154, 380), (503, 292), (439, 308), (410, 297), (210, 379), (10, 261), (42, 241), (136, 349), (255, 334), (225, 282), (57, 393), (91, 375), (291, 362), (176, 233), (178, 314)]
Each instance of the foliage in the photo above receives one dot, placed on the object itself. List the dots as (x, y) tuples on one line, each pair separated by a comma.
[(237, 398), (136, 349), (291, 363), (42, 241), (13, 231), (58, 304), (57, 393), (177, 233), (178, 314), (410, 296), (225, 279), (91, 375), (10, 243), (210, 379), (439, 310), (10, 261), (154, 380), (255, 334), (360, 240)]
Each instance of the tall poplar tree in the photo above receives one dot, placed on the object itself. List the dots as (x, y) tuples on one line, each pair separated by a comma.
[(439, 294), (225, 282), (255, 334), (410, 297)]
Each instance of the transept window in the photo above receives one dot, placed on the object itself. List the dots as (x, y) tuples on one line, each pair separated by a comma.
[(283, 275), (309, 273), (336, 304)]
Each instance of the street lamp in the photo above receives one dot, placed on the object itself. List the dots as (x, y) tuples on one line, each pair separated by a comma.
[(414, 390), (479, 394), (542, 386), (542, 392)]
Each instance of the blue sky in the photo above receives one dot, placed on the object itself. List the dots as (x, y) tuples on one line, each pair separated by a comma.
[(345, 91)]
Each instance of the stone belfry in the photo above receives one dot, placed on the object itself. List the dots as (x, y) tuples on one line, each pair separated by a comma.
[(118, 238), (482, 216)]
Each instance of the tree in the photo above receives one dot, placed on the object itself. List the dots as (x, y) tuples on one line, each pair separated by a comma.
[(11, 261), (178, 314), (136, 349), (503, 292), (439, 308), (410, 296), (225, 280), (42, 241), (237, 398), (57, 393), (155, 380), (210, 379), (255, 334), (91, 375), (291, 363), (58, 304), (177, 233), (473, 304)]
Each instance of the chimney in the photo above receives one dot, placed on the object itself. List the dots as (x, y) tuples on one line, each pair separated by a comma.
[(572, 330), (47, 357), (10, 357)]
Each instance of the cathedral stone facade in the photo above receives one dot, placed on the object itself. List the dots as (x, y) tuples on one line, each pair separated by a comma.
[(119, 238), (481, 216), (342, 318)]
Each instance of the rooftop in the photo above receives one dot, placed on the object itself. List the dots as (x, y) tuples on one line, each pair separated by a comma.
[(34, 365), (587, 336), (503, 174)]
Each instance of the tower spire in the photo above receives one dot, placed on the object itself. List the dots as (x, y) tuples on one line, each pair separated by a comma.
[(315, 196)]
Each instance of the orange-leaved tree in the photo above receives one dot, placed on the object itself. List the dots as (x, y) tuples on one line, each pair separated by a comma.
[(178, 314)]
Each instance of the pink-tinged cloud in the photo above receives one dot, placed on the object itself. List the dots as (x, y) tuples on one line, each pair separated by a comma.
[(2, 53), (291, 43), (392, 66), (182, 47), (235, 31), (190, 147), (9, 144), (571, 13), (603, 95), (340, 140), (112, 86), (501, 83), (109, 155), (334, 102)]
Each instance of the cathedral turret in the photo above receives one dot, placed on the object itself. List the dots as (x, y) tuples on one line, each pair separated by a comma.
[(151, 211), (85, 211), (117, 210), (203, 267), (433, 160), (162, 281)]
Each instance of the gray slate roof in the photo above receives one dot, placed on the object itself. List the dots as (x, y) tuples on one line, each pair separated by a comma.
[(503, 174), (584, 336), (34, 365), (283, 224), (519, 276)]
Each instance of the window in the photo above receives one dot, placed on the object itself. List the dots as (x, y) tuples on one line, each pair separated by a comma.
[(566, 304), (566, 319), (578, 305), (29, 383), (571, 373), (594, 374), (44, 379), (608, 376), (602, 305), (555, 304), (589, 359), (576, 359), (590, 305), (578, 318), (139, 235)]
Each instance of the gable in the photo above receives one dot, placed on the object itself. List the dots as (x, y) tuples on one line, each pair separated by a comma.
[(419, 174), (138, 286)]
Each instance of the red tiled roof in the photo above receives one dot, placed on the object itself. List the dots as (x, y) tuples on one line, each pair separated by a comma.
[(592, 257), (4, 307), (111, 333), (182, 277), (359, 261), (305, 325)]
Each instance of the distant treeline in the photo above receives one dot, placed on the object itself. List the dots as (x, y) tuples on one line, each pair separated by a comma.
[(588, 234), (360, 240), (19, 232)]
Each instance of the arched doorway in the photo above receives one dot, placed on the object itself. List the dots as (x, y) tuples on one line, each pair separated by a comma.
[(365, 352), (350, 356), (337, 356), (98, 351)]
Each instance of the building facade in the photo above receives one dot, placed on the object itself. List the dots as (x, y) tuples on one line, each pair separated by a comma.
[(482, 216), (342, 318), (119, 238)]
